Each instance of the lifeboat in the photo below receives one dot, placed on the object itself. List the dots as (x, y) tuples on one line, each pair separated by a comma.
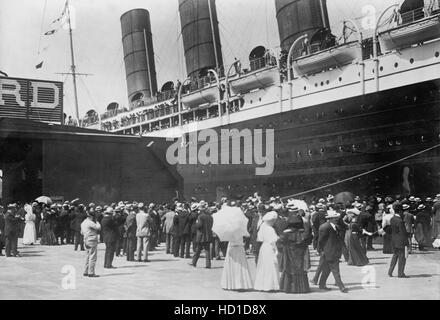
[(255, 80), (207, 94), (412, 33), (333, 57)]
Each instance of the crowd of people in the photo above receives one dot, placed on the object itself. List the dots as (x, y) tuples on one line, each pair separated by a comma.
[(280, 234)]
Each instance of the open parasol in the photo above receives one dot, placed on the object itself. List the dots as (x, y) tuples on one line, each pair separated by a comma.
[(44, 199), (344, 197), (230, 224)]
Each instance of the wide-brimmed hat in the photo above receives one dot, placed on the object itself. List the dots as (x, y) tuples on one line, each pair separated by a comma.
[(355, 211), (412, 199), (98, 208), (405, 206), (330, 197), (194, 206), (291, 205), (203, 205), (332, 214), (421, 207), (270, 216), (109, 210)]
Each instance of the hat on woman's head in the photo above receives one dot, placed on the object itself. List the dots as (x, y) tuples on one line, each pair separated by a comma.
[(332, 214), (405, 206), (355, 211), (270, 216), (291, 205)]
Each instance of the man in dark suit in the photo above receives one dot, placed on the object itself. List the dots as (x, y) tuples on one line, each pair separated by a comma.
[(12, 229), (399, 240), (330, 248), (130, 233), (317, 220), (182, 230), (80, 216), (204, 237), (366, 221), (110, 234)]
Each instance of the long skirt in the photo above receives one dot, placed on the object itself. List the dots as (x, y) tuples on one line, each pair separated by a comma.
[(422, 235), (435, 230), (47, 234), (293, 275), (236, 272), (357, 256), (267, 277), (29, 234), (387, 245)]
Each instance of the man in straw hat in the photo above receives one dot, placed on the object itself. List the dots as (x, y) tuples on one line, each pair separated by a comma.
[(204, 237), (399, 239), (330, 248), (90, 231)]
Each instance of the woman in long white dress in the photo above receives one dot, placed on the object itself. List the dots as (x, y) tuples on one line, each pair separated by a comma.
[(29, 235), (236, 272), (267, 277)]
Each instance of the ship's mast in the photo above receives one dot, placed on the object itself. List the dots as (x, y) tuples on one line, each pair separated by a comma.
[(73, 67)]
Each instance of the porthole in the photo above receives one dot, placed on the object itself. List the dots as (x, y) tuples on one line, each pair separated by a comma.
[(251, 101), (396, 65), (327, 82), (305, 88), (437, 54), (316, 84), (381, 68), (322, 83), (340, 79), (411, 60), (259, 99)]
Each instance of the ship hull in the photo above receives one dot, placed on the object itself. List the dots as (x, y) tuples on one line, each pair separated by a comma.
[(328, 143)]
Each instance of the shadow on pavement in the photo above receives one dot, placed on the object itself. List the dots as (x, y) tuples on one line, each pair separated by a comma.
[(116, 274)]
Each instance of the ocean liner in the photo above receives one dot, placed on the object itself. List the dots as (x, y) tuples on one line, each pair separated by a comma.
[(340, 107)]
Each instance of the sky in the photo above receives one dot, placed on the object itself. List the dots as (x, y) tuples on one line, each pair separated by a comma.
[(243, 24)]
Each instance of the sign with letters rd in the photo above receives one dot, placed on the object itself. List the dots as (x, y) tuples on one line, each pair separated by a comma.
[(38, 100)]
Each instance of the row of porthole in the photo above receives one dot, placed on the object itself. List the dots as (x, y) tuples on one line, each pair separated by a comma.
[(437, 54)]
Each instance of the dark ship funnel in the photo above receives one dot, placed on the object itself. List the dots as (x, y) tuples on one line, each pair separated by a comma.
[(138, 54), (298, 17), (201, 39)]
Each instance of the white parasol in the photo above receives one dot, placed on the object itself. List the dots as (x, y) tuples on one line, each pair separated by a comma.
[(230, 224), (44, 199)]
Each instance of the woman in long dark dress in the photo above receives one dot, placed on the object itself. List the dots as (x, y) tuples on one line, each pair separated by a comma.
[(47, 227), (292, 246), (356, 255), (422, 228)]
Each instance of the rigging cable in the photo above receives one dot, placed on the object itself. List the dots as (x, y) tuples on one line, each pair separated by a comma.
[(364, 173), (41, 28)]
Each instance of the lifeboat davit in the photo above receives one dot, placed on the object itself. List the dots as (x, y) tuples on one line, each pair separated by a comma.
[(412, 33), (329, 58)]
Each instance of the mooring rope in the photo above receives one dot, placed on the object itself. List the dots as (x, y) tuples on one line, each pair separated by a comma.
[(362, 174)]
